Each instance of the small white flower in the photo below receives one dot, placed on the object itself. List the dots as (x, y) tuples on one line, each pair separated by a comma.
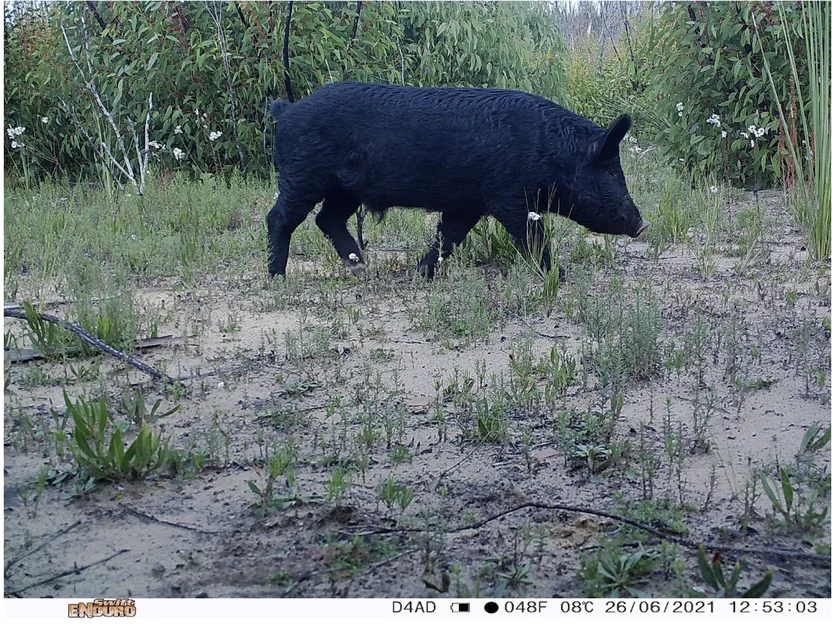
[(533, 216), (44, 120), (156, 145), (760, 132), (752, 143), (215, 135), (680, 107), (714, 120), (205, 116), (354, 257), (134, 237), (196, 112), (724, 134), (439, 260), (713, 189), (276, 195), (178, 154), (177, 130), (15, 144), (10, 132), (744, 135), (19, 130), (680, 113)]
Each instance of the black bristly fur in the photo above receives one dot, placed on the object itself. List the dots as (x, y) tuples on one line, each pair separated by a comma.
[(465, 153)]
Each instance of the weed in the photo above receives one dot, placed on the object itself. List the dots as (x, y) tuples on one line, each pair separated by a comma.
[(340, 481), (614, 572), (713, 576), (134, 406), (99, 448), (802, 513), (395, 495)]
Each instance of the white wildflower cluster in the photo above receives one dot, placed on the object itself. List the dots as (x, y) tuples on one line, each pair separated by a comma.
[(753, 132), (533, 216), (724, 134), (354, 257), (680, 107), (178, 154), (44, 120), (215, 135), (156, 145), (714, 120), (177, 130), (14, 133), (757, 132)]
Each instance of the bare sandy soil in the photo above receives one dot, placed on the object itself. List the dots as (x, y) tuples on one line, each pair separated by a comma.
[(199, 533)]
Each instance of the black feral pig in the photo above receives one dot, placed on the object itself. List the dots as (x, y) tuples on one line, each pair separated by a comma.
[(464, 153)]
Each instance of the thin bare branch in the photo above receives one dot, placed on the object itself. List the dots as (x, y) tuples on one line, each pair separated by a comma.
[(74, 570), (93, 90), (214, 10)]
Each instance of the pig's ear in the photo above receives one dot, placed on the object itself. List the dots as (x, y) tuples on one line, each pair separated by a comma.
[(608, 146)]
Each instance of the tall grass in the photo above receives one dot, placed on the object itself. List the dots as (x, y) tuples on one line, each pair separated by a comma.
[(813, 200)]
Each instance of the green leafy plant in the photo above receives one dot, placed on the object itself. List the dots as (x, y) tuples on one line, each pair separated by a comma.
[(100, 450), (282, 463), (612, 572), (802, 513), (48, 339), (395, 495), (811, 31), (720, 115), (133, 405), (713, 575)]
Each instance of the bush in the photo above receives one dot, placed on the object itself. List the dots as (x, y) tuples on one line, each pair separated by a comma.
[(211, 118), (710, 88)]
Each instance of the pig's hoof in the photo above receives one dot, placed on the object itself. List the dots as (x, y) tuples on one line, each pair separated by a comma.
[(357, 269)]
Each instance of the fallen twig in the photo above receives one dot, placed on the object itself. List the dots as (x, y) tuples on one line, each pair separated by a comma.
[(538, 332), (684, 542), (95, 342), (149, 517), (76, 570), (15, 356), (14, 561)]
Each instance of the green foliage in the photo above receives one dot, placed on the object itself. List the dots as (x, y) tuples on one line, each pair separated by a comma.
[(613, 572), (509, 45), (597, 93), (813, 202), (713, 576), (707, 64), (395, 495), (98, 444), (802, 513), (48, 339), (282, 463), (174, 50)]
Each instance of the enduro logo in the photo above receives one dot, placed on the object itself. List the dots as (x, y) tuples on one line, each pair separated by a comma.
[(103, 607)]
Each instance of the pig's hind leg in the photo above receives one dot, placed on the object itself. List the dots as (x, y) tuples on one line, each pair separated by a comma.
[(451, 231), (338, 207)]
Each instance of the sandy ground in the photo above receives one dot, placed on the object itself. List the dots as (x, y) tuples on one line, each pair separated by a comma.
[(198, 535)]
